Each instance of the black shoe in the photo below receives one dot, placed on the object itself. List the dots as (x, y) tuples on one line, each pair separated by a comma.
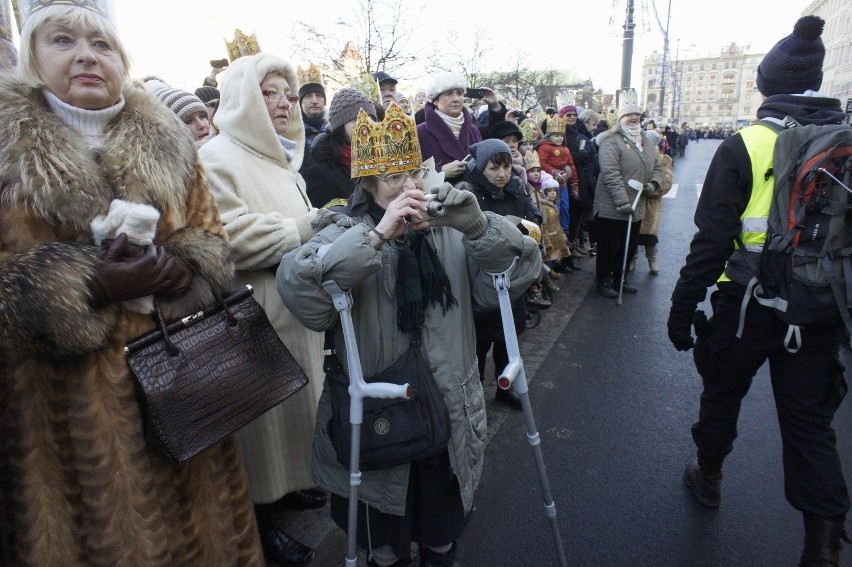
[(304, 499), (706, 487), (822, 542), (508, 397), (606, 290), (625, 288), (283, 550)]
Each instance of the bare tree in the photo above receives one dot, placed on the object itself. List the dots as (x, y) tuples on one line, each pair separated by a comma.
[(469, 61)]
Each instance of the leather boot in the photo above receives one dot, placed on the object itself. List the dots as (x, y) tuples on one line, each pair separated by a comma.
[(604, 288), (284, 551), (822, 542), (706, 486), (651, 255)]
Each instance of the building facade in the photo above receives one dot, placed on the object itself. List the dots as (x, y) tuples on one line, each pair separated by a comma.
[(719, 90)]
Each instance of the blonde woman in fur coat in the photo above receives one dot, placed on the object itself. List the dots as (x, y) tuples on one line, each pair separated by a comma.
[(253, 169), (103, 204)]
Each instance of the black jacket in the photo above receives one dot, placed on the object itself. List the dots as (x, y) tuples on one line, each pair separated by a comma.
[(726, 192), (325, 177)]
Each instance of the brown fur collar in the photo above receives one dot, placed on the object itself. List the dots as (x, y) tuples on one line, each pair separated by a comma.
[(147, 157)]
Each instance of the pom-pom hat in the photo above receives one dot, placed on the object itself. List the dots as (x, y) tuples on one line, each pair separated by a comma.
[(794, 64)]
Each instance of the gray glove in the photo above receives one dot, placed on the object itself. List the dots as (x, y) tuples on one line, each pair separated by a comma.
[(624, 209), (461, 211), (649, 189)]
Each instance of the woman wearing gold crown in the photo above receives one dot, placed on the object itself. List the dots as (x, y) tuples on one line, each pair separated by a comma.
[(104, 205), (408, 281)]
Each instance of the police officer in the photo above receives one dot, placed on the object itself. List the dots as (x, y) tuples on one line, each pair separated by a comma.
[(808, 385)]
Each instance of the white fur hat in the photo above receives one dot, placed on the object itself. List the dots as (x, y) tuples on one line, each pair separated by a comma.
[(443, 82)]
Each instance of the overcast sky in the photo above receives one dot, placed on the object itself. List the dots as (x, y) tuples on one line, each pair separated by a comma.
[(175, 39)]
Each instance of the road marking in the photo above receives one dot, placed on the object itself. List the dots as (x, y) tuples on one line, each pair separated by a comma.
[(672, 192)]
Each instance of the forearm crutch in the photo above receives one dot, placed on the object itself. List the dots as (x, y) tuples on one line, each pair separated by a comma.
[(514, 374), (358, 390), (627, 243)]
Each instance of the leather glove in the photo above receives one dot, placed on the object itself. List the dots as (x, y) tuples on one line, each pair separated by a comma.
[(179, 276), (461, 211), (126, 274), (624, 209), (679, 325)]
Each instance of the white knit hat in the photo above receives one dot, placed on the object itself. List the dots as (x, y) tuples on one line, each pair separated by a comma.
[(443, 82)]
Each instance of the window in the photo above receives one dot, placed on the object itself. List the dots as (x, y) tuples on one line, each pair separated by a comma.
[(652, 83), (727, 94), (728, 80)]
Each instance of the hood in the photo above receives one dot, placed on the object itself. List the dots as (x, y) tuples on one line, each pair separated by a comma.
[(242, 113)]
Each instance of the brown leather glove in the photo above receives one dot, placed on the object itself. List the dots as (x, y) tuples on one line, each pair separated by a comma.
[(179, 278), (130, 274)]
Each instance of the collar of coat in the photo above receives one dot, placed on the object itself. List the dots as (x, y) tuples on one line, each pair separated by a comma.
[(147, 157)]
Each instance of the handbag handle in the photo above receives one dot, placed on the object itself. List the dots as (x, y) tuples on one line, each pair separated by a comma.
[(172, 349)]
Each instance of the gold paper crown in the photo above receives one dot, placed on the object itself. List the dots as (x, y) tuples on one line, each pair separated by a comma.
[(242, 45), (101, 7), (308, 76), (529, 130), (629, 97), (5, 20), (556, 125), (531, 160), (385, 147), (368, 86)]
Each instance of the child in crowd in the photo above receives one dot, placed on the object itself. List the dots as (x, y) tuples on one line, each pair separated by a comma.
[(531, 134), (555, 245)]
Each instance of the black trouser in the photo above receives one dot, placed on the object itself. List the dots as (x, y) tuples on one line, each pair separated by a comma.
[(611, 235), (808, 387), (500, 355)]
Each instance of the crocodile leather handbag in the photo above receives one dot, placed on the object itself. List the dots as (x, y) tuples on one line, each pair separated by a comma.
[(203, 377)]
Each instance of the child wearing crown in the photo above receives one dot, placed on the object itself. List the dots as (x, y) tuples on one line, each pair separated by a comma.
[(411, 277)]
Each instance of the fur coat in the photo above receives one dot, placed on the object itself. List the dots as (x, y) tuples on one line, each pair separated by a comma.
[(78, 484)]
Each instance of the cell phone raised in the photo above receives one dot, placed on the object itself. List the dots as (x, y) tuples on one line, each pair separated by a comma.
[(474, 93)]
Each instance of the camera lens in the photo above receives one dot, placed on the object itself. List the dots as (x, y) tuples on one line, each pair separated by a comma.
[(434, 209)]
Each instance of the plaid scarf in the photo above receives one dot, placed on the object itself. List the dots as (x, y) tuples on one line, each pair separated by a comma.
[(420, 278)]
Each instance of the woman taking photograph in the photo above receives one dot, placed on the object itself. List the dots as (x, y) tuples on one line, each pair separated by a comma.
[(104, 205), (384, 253)]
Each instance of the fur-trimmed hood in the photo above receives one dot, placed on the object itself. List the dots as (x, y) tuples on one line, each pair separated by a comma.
[(46, 168)]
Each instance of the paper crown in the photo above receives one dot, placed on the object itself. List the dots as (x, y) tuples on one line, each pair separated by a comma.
[(385, 147), (629, 97), (6, 23), (531, 160), (366, 85), (309, 76), (556, 125), (101, 7), (529, 130), (242, 45)]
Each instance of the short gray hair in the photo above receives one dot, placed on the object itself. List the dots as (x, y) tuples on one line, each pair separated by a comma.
[(590, 115), (74, 18)]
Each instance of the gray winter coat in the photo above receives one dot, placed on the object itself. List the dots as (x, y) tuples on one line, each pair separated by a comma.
[(448, 339), (620, 160)]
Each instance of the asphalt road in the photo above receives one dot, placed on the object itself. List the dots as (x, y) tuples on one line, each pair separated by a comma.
[(613, 402)]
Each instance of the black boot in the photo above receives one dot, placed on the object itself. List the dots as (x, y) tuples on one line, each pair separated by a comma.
[(284, 551), (429, 558), (822, 542), (303, 499), (706, 486), (604, 288)]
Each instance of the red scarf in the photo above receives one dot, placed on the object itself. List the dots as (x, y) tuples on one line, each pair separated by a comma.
[(345, 157)]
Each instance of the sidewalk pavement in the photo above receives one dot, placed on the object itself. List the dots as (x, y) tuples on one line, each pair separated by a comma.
[(315, 527)]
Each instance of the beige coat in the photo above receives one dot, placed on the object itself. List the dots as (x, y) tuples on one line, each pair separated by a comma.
[(654, 203), (260, 194)]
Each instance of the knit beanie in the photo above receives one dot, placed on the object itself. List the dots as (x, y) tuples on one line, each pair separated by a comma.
[(207, 94), (309, 88), (443, 82), (180, 102), (345, 106), (483, 151), (794, 64), (566, 109)]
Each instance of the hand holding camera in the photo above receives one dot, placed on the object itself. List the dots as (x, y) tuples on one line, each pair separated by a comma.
[(461, 211)]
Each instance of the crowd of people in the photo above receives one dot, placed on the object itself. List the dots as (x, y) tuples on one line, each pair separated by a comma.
[(255, 179)]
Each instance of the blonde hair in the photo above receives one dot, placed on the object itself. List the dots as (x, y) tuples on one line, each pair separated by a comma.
[(73, 18), (590, 115)]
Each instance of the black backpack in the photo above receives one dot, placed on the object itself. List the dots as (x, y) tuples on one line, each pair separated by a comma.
[(805, 271)]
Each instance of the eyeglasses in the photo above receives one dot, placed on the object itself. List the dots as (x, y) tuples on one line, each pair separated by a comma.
[(274, 96), (397, 180), (574, 114)]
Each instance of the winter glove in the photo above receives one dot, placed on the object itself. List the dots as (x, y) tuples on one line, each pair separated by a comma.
[(126, 274), (179, 277), (625, 209), (461, 211), (303, 225), (680, 325), (650, 190)]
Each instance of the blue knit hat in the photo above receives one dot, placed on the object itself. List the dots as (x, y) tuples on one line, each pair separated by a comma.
[(794, 64), (483, 151)]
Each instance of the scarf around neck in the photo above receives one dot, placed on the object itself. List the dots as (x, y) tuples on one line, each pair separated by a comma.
[(632, 133), (420, 278), (454, 124)]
